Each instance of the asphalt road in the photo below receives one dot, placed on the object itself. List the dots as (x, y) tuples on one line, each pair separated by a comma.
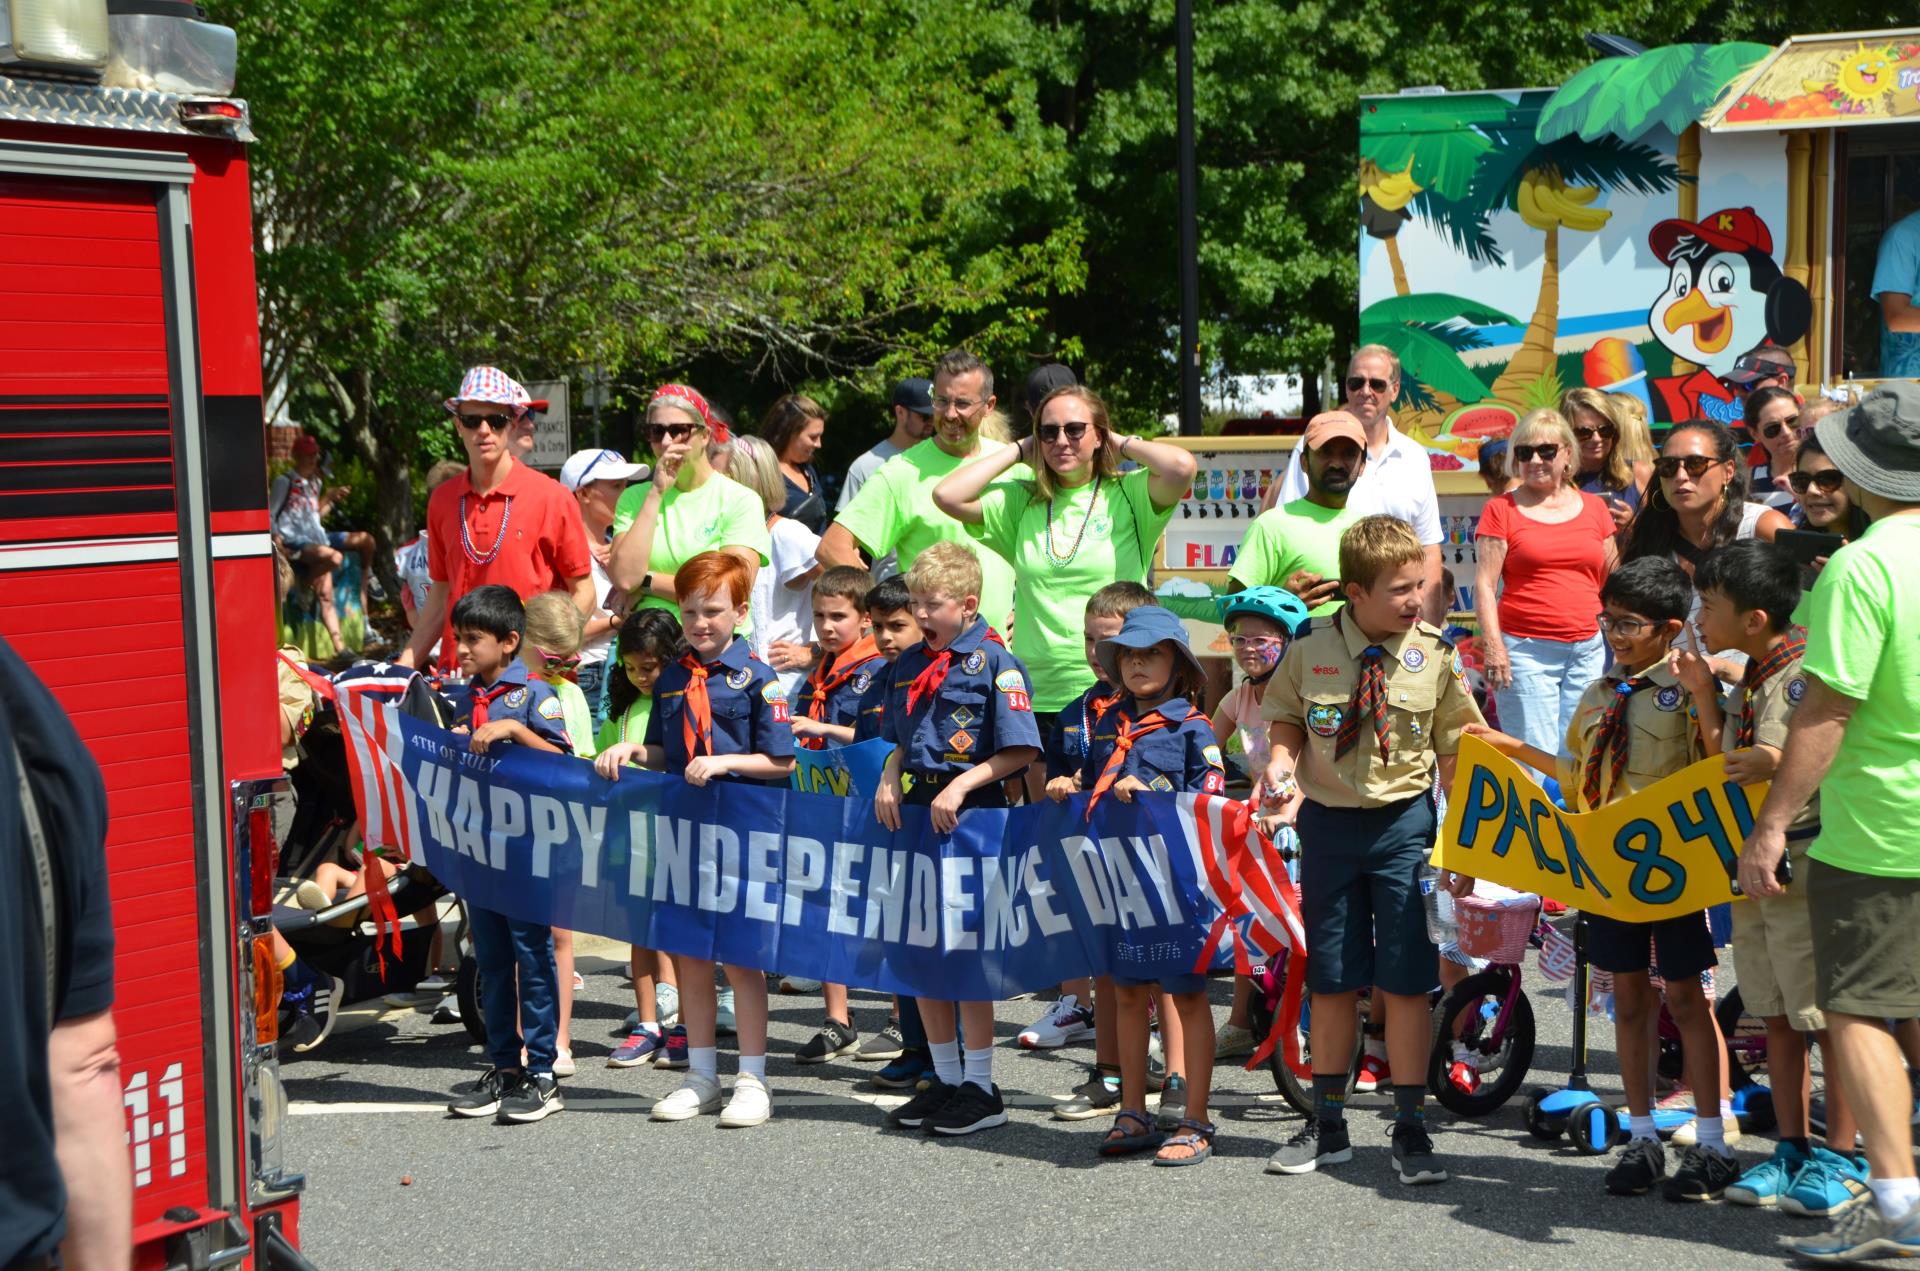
[(823, 1184)]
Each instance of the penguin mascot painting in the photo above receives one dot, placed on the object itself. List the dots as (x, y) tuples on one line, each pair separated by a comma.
[(1725, 296)]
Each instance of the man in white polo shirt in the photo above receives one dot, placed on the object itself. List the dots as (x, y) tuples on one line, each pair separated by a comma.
[(1397, 480)]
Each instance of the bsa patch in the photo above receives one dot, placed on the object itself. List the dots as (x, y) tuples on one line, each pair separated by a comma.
[(961, 741), (1324, 721), (776, 697), (1668, 698), (1212, 755), (1161, 784), (862, 682), (1459, 666), (1014, 685), (517, 697), (740, 678), (551, 709), (1414, 658), (976, 662), (1796, 689)]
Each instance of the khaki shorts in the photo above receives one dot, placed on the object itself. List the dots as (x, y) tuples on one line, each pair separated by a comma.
[(1866, 942), (1773, 958)]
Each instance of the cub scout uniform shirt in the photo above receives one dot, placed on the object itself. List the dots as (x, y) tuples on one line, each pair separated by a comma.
[(1663, 735), (1067, 744), (1428, 704), (844, 686), (983, 706), (749, 711), (1773, 705), (1182, 757), (870, 716), (515, 696)]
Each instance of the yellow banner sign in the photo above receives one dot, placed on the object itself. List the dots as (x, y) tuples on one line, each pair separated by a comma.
[(1666, 851)]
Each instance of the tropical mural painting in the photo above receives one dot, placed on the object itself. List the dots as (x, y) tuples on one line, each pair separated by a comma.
[(1516, 245)]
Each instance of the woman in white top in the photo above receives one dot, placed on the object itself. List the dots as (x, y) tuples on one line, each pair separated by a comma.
[(598, 478), (782, 607)]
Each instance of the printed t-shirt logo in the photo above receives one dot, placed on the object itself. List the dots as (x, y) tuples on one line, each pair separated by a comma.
[(1324, 721), (1414, 658)]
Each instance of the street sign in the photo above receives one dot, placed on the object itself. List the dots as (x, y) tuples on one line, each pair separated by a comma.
[(552, 432)]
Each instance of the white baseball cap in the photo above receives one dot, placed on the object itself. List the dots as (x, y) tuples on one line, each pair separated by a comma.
[(583, 466)]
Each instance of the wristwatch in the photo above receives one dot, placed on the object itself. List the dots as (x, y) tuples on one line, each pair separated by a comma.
[(646, 584)]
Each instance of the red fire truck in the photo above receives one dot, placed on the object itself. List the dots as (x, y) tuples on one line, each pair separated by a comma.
[(136, 573)]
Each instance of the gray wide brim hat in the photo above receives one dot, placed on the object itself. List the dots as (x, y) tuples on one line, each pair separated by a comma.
[(1144, 627), (1876, 444)]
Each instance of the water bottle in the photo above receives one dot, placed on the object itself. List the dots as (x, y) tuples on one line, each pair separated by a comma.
[(1441, 927)]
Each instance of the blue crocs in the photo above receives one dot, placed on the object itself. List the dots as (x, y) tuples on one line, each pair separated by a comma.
[(1827, 1186), (1764, 1184)]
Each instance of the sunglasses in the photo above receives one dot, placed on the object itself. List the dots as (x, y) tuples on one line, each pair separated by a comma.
[(1050, 433), (658, 433), (498, 423), (1357, 382), (1829, 481), (1779, 426), (555, 663), (1547, 452), (1586, 432), (1667, 467)]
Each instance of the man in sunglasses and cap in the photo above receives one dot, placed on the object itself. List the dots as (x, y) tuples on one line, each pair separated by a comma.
[(1856, 739), (499, 521)]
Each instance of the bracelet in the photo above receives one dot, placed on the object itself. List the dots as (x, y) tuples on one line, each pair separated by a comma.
[(1128, 441)]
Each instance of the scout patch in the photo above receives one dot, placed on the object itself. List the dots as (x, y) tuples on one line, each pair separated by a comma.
[(1414, 658), (517, 697), (861, 682), (962, 715), (551, 709), (961, 741), (1459, 666), (1796, 689), (1212, 755), (1014, 685), (1324, 721), (740, 678), (976, 662), (1668, 698), (1161, 784), (775, 696)]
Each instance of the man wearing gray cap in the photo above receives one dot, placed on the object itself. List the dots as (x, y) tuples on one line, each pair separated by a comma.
[(1856, 739), (912, 424)]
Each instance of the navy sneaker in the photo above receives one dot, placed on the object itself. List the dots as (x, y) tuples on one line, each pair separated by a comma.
[(906, 1072)]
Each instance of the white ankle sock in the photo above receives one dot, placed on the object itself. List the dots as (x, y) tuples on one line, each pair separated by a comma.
[(1895, 1196), (979, 1069), (753, 1066), (704, 1060), (946, 1062)]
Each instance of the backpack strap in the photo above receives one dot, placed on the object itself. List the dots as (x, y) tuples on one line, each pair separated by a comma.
[(43, 878)]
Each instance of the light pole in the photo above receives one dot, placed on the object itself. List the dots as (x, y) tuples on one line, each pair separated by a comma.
[(1189, 226)]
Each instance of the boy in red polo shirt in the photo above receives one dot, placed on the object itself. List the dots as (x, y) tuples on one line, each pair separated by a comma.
[(499, 521)]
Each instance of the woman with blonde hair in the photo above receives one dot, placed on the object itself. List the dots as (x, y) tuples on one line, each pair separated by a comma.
[(1604, 464), (782, 593), (1545, 548)]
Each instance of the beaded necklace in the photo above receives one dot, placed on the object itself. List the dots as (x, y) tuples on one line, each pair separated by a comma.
[(466, 538), (1085, 521)]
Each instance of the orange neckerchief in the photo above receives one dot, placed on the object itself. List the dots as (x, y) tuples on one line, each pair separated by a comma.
[(1152, 721), (698, 719), (827, 678)]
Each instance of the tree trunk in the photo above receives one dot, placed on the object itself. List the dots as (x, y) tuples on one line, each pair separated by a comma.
[(382, 445), (1309, 391), (1535, 357), (1686, 157), (1399, 269)]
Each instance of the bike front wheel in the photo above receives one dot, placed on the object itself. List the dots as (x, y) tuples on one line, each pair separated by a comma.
[(1469, 1015)]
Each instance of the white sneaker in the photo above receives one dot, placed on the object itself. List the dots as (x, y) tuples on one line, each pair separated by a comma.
[(798, 984), (563, 1063), (1065, 1021), (1689, 1134), (698, 1093), (751, 1104)]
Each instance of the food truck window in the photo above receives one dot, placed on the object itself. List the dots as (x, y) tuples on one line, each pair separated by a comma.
[(1882, 187)]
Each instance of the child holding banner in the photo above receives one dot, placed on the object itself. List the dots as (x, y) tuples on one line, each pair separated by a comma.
[(719, 715), (502, 704), (1632, 728), (960, 713), (1366, 706), (1155, 739), (1748, 592)]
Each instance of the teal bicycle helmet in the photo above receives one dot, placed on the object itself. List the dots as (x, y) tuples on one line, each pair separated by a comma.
[(1276, 604)]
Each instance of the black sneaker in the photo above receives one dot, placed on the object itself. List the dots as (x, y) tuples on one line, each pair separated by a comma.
[(832, 1041), (970, 1109), (886, 1044), (1642, 1163), (534, 1099), (484, 1099), (1413, 1154), (1703, 1175), (1097, 1096), (1173, 1104), (1315, 1145), (912, 1114)]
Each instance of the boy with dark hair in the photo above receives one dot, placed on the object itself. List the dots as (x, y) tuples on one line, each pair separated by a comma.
[(1362, 709), (1748, 592), (829, 704), (518, 984), (1631, 729)]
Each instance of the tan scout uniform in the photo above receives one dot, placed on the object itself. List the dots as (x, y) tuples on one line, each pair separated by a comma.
[(1663, 736), (1773, 936)]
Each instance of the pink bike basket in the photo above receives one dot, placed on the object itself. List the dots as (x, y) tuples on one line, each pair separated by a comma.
[(1496, 929)]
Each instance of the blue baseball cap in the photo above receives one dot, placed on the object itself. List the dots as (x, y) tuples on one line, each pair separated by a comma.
[(915, 394), (1144, 627)]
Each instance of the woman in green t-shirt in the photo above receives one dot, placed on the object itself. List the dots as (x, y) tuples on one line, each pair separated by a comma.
[(1078, 525)]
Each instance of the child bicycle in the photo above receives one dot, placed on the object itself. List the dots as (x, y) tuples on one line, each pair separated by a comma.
[(1486, 1020)]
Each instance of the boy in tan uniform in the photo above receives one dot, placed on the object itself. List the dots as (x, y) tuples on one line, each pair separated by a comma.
[(1360, 709)]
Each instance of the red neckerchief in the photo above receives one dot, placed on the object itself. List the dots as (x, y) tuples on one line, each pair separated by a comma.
[(483, 698), (928, 682), (1609, 754), (1369, 698)]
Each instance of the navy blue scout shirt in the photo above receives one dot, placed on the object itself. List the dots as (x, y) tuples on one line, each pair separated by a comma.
[(1181, 758), (532, 702), (983, 706), (749, 711), (1067, 746), (846, 685), (870, 722)]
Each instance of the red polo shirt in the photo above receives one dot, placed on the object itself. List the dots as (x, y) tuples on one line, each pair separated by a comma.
[(530, 517)]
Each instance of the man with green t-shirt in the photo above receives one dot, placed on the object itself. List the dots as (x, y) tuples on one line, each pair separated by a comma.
[(894, 511), (1297, 545), (1856, 739)]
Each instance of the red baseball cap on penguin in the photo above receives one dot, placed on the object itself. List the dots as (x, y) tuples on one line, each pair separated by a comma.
[(1733, 229)]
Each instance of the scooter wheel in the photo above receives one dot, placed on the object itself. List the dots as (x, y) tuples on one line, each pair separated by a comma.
[(1542, 1124), (1755, 1106), (1595, 1129)]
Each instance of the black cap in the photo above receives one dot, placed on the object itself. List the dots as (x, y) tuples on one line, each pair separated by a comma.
[(1762, 363), (916, 395), (1044, 381)]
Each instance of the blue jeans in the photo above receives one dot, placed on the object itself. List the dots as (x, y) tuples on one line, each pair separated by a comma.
[(1548, 678), (503, 946), (593, 686)]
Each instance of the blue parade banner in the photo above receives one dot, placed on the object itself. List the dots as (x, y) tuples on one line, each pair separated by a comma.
[(851, 771), (812, 885)]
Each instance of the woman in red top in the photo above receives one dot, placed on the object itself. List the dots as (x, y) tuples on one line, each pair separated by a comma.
[(1545, 547)]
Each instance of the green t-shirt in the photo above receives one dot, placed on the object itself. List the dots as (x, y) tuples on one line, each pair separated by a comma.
[(578, 718), (719, 514), (1295, 536), (894, 511), (1862, 620), (629, 725), (1117, 545)]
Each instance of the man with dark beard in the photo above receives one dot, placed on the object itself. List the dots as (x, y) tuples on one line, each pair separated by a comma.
[(1297, 545)]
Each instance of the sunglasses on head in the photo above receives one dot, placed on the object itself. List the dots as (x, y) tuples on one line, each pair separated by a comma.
[(658, 433), (1357, 382), (1667, 467), (1779, 426), (1587, 432), (1548, 452), (1829, 481), (497, 422), (1075, 430)]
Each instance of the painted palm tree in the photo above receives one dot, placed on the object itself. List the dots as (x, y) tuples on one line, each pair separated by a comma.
[(1428, 332), (1413, 170), (1553, 186)]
